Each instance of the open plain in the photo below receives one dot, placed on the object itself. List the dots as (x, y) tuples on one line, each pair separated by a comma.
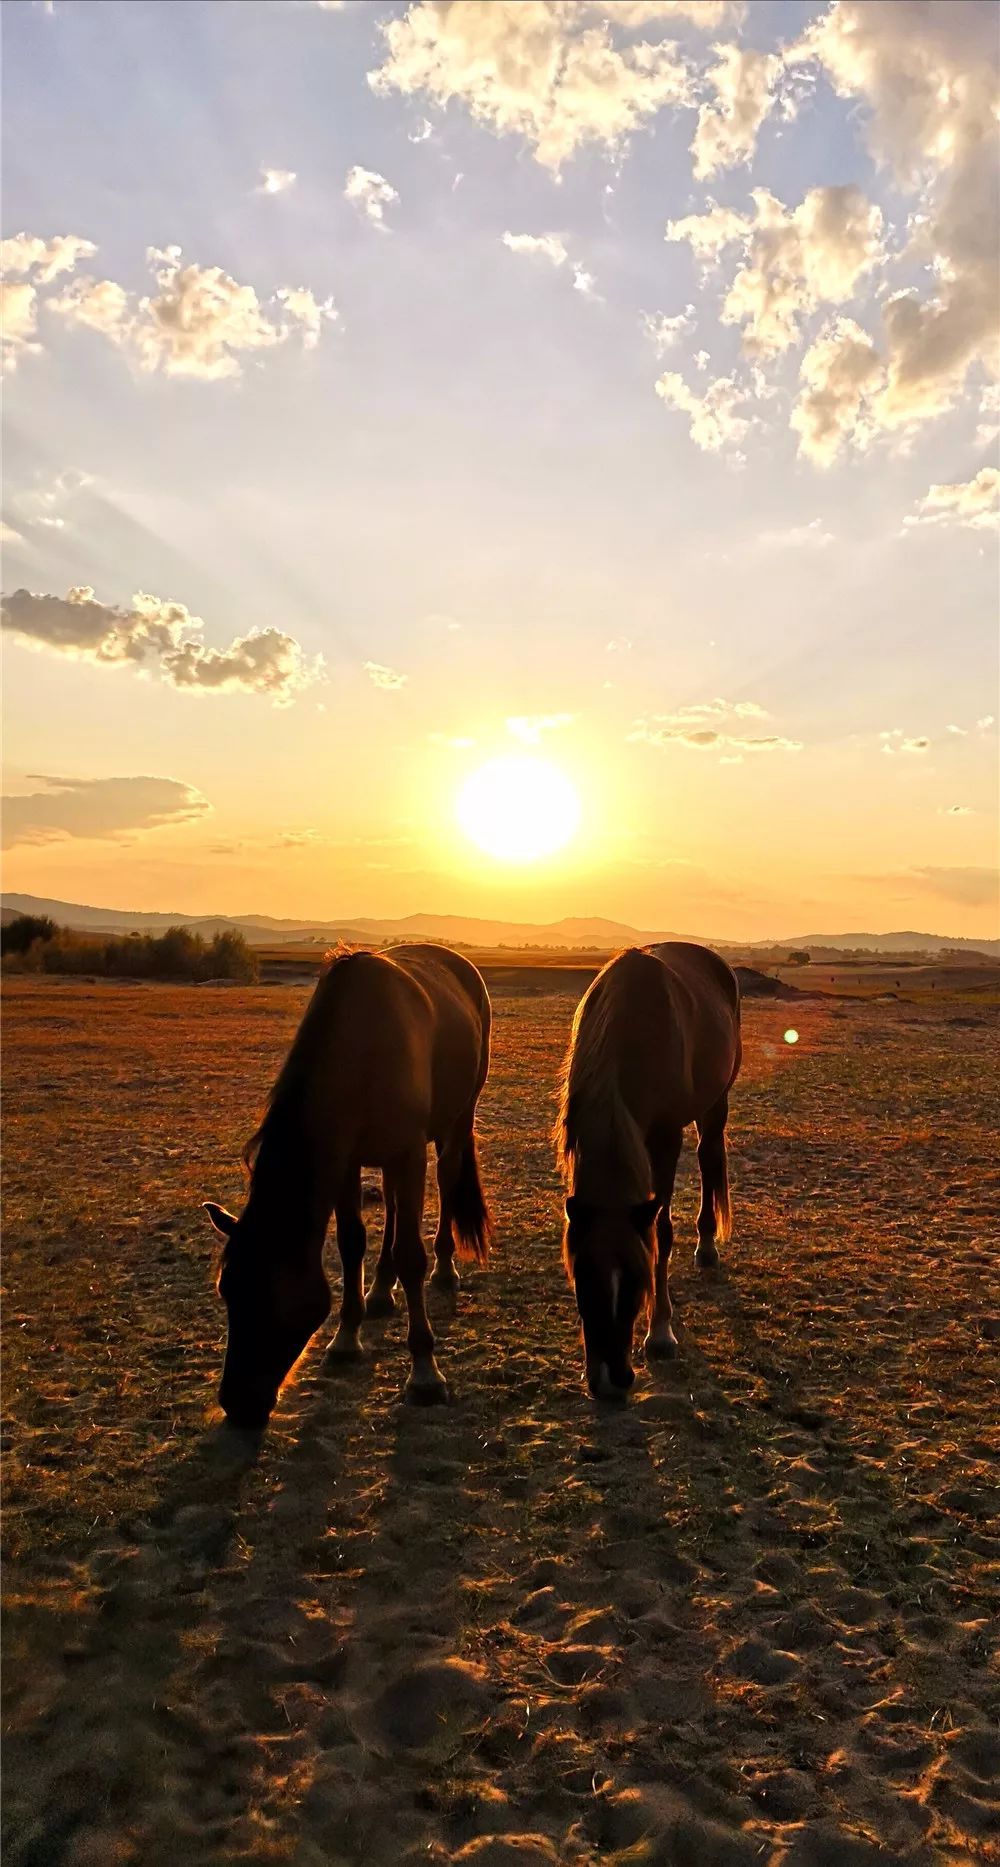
[(750, 1618)]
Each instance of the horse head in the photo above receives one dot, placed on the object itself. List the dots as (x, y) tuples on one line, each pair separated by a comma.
[(609, 1256), (274, 1304)]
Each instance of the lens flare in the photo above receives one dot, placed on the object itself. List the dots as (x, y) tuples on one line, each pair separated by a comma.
[(791, 1037)]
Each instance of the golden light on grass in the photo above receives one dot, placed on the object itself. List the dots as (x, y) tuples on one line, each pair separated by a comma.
[(518, 809)]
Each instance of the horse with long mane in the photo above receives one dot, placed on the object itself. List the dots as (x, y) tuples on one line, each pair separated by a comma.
[(655, 1046), (391, 1055)]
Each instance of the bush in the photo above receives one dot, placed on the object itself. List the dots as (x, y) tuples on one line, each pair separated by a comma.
[(21, 933), (176, 954)]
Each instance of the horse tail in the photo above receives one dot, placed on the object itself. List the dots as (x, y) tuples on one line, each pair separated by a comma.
[(722, 1204), (470, 1215)]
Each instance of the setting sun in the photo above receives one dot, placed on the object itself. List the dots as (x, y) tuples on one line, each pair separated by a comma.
[(519, 809)]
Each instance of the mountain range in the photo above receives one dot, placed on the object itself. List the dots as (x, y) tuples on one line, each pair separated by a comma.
[(590, 933)]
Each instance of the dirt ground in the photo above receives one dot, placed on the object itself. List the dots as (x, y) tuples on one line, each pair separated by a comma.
[(751, 1618)]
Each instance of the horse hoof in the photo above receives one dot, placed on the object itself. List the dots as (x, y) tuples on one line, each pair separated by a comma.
[(379, 1303), (344, 1348), (427, 1393), (707, 1255), (447, 1281), (662, 1347)]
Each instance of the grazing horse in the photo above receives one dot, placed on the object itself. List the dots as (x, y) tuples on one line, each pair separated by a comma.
[(655, 1045), (391, 1055)]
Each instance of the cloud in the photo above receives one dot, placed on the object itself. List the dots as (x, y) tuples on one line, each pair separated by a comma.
[(708, 726), (811, 537), (989, 409), (744, 84), (550, 246), (531, 726), (796, 259), (386, 678), (25, 254), (275, 181), (714, 422), (663, 332), (28, 262), (840, 375), (926, 73), (896, 741), (972, 887), (8, 536), (370, 193), (100, 808), (200, 323), (557, 74), (955, 810), (164, 637), (974, 504)]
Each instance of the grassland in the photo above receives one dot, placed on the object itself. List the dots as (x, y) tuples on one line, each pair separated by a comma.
[(752, 1618)]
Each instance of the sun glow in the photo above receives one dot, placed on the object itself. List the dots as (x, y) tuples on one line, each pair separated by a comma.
[(518, 809)]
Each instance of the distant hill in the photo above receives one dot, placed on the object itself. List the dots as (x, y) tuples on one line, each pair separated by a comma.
[(890, 943), (580, 933)]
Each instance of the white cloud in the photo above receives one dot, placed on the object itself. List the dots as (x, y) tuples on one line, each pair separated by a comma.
[(100, 808), (664, 332), (974, 504), (307, 311), (27, 263), (201, 323), (8, 536), (840, 375), (162, 636), (554, 72), (530, 727), (275, 181), (386, 678), (896, 741), (713, 418), (549, 246), (25, 255), (744, 84), (926, 72), (955, 810), (811, 536), (796, 259), (989, 409), (553, 249), (422, 133), (712, 726), (370, 193)]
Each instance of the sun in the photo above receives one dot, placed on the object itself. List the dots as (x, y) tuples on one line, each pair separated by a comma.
[(518, 809)]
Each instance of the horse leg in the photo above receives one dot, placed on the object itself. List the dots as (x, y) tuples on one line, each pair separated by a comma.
[(664, 1153), (408, 1177), (444, 1275), (380, 1300), (714, 1222), (346, 1344)]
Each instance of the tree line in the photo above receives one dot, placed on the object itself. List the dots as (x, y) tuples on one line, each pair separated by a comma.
[(33, 943)]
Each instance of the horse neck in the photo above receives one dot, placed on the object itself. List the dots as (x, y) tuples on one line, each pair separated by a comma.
[(289, 1201), (610, 1162)]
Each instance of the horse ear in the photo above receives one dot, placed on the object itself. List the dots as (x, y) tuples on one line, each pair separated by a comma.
[(222, 1220), (642, 1216)]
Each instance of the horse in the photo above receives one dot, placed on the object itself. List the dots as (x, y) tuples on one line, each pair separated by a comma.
[(391, 1055), (655, 1045)]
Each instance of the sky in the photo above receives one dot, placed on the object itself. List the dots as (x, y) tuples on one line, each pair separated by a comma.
[(392, 390)]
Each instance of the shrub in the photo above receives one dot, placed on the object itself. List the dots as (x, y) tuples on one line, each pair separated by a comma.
[(176, 954), (21, 933)]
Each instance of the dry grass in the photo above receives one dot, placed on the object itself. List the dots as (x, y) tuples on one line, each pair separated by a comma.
[(751, 1618)]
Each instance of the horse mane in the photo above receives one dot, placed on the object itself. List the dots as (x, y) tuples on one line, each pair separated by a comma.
[(285, 1097), (594, 1119)]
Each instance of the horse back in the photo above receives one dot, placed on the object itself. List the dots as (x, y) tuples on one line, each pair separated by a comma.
[(461, 1011), (671, 1021)]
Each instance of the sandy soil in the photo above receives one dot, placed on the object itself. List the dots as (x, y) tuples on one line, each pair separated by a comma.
[(751, 1618)]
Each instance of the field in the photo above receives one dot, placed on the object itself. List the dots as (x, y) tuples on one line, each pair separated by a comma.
[(751, 1618)]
